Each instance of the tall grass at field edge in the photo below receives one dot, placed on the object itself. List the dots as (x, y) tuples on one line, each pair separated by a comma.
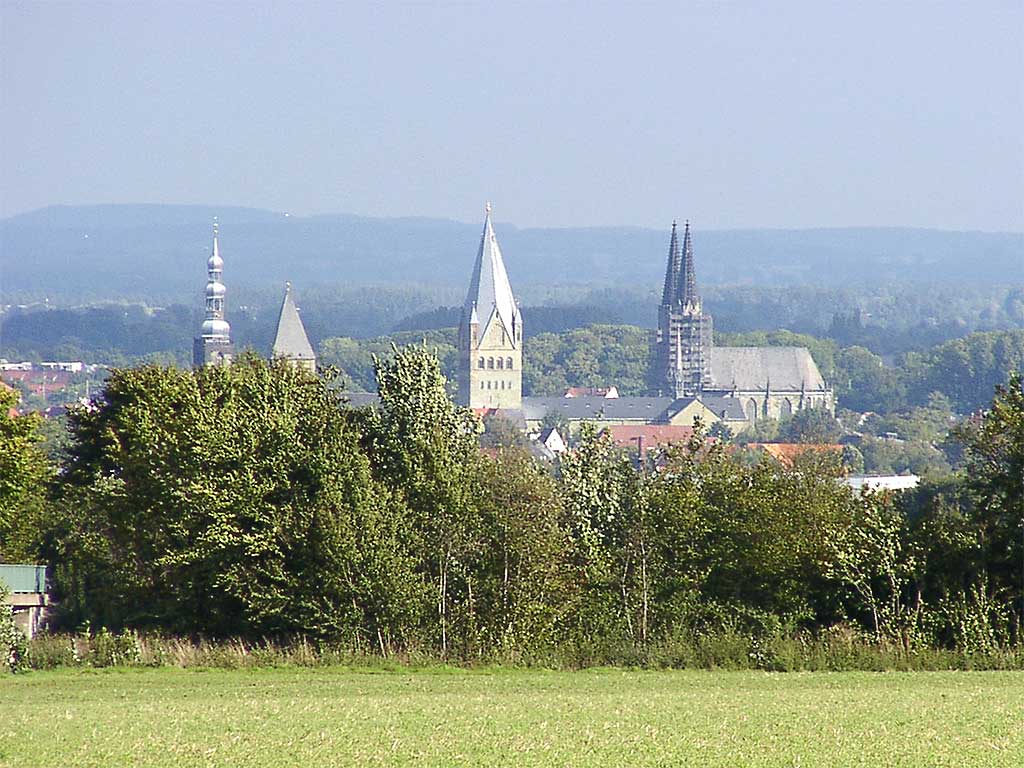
[(834, 651)]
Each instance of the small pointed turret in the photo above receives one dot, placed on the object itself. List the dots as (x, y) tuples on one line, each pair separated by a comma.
[(291, 341)]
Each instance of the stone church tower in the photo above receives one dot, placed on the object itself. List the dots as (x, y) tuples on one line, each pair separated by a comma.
[(213, 346), (490, 373), (683, 353)]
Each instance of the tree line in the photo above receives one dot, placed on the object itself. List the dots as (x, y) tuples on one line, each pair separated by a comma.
[(964, 371), (249, 501), (887, 320)]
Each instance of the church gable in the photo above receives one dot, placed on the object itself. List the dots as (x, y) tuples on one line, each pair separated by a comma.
[(495, 334), (684, 412)]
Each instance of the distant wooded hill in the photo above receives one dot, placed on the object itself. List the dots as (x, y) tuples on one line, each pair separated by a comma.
[(158, 252)]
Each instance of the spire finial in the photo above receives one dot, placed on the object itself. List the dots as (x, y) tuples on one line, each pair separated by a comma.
[(487, 207), (287, 286), (216, 226)]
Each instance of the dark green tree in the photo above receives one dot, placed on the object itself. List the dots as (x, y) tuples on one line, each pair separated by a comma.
[(228, 501), (812, 425), (25, 472), (424, 449), (995, 468)]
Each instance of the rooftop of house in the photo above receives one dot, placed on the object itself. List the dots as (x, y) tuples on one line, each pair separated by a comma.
[(579, 408), (648, 436), (787, 453), (606, 392), (593, 408)]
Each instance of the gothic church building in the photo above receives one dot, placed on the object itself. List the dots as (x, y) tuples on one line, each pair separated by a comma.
[(736, 385), (768, 382)]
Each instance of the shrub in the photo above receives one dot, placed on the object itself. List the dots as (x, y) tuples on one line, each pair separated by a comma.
[(12, 641)]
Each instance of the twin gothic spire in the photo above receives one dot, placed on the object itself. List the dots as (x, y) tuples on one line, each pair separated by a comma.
[(680, 275)]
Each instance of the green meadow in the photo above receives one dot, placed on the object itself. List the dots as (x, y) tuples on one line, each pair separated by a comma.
[(499, 717)]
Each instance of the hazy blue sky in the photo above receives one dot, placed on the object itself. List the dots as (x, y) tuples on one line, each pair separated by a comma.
[(780, 114)]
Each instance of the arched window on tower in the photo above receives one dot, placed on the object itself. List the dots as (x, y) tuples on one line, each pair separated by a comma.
[(490, 362), (508, 363), (480, 363), (501, 363)]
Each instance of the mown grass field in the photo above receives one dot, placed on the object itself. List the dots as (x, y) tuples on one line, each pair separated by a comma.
[(441, 717)]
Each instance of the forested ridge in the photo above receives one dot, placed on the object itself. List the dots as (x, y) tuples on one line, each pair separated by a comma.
[(244, 502), (157, 253)]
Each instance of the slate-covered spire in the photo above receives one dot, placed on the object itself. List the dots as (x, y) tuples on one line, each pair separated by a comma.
[(672, 268), (689, 282), (291, 341), (489, 292)]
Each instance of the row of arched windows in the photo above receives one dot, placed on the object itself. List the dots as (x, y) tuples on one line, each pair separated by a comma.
[(487, 385), (754, 412), (503, 364)]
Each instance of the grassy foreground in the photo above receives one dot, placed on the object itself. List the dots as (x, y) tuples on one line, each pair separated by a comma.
[(324, 717)]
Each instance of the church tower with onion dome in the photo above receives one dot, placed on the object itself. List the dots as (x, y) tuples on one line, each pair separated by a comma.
[(490, 373), (213, 345)]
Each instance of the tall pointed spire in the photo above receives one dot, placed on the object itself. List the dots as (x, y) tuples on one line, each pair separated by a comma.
[(291, 341), (689, 288), (671, 268), (490, 373), (684, 332), (490, 292)]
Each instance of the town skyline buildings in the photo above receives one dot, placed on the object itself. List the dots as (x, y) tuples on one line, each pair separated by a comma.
[(794, 116)]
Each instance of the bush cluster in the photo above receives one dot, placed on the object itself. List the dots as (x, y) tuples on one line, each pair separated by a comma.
[(247, 505)]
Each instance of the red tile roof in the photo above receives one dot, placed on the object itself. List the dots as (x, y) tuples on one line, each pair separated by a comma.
[(788, 453), (587, 391), (649, 435)]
